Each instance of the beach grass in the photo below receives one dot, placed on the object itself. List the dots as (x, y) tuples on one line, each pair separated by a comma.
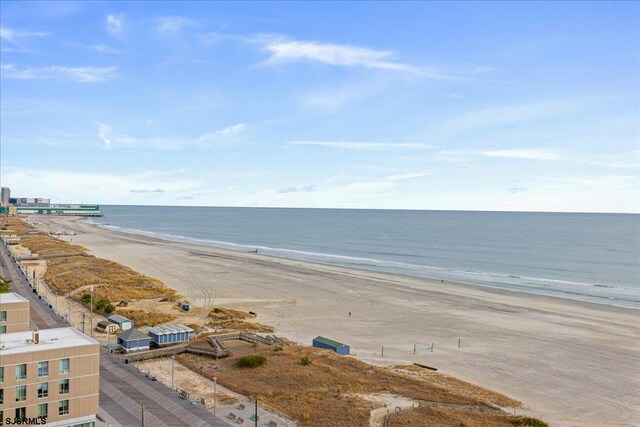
[(145, 318), (330, 391)]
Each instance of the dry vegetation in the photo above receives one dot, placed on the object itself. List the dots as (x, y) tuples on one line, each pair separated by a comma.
[(111, 280), (323, 392), (16, 224), (241, 326), (48, 246), (464, 388), (441, 417), (220, 313), (143, 318)]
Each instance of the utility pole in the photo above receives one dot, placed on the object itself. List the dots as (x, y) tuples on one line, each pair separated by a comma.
[(142, 418), (256, 420), (215, 383), (173, 359), (82, 322)]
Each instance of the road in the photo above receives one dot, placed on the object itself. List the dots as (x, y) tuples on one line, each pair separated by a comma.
[(123, 389)]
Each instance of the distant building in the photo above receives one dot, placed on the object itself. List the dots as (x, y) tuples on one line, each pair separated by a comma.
[(122, 322), (134, 340), (51, 373), (338, 347), (5, 195), (169, 334)]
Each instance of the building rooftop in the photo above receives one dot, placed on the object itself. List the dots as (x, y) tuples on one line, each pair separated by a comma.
[(132, 335), (50, 339), (169, 329), (117, 318), (327, 341), (12, 297)]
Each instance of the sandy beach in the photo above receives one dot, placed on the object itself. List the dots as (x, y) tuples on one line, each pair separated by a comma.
[(570, 363)]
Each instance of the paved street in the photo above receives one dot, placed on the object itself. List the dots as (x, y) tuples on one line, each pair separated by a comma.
[(123, 389)]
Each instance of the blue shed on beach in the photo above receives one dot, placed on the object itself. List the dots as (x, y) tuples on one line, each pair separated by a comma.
[(169, 334), (134, 340), (338, 347)]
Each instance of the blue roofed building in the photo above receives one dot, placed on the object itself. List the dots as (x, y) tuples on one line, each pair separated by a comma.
[(338, 347), (134, 340), (169, 334)]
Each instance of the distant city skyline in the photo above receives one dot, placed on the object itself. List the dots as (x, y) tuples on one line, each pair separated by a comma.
[(460, 106)]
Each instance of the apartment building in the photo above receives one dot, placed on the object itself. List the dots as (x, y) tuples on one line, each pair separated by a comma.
[(14, 313), (50, 374)]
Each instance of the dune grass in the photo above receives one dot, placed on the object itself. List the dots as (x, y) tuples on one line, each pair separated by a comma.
[(326, 392), (143, 318), (15, 223), (445, 417), (47, 246)]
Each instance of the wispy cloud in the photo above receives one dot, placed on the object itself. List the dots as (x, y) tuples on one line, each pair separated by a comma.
[(173, 24), (507, 115), (404, 176), (282, 49), (598, 181), (18, 40), (145, 190), (226, 136), (115, 24), (355, 145), (531, 154), (56, 72), (301, 189), (517, 153), (516, 190)]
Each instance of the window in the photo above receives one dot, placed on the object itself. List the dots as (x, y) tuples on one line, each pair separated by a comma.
[(63, 366), (21, 412), (3, 329), (3, 316), (43, 410), (43, 369), (43, 390), (21, 393), (63, 407), (63, 387), (1, 396), (21, 372), (1, 374)]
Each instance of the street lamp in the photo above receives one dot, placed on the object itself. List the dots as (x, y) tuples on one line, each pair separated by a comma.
[(173, 359), (215, 383)]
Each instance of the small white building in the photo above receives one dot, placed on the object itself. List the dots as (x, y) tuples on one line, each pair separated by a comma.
[(122, 322)]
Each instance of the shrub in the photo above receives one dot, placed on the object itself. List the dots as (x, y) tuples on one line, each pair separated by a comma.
[(305, 360), (105, 306), (529, 422), (277, 348), (252, 361), (86, 298)]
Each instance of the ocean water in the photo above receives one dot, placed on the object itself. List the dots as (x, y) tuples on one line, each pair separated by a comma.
[(588, 257)]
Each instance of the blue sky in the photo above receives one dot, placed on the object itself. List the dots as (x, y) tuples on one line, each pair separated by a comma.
[(474, 106)]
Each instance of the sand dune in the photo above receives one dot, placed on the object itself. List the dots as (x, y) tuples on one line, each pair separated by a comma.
[(571, 363)]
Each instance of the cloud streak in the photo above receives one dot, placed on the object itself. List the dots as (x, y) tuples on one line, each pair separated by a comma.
[(115, 25), (355, 145), (222, 137), (301, 189), (55, 72), (18, 39)]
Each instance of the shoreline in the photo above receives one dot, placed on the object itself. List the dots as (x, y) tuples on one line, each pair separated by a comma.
[(543, 350), (528, 289), (389, 275)]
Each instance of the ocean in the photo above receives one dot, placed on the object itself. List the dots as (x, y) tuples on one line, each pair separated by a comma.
[(587, 257)]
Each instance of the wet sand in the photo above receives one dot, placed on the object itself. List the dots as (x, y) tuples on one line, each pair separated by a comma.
[(571, 363)]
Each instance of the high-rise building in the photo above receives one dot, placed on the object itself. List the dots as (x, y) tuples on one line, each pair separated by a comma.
[(50, 374), (5, 194)]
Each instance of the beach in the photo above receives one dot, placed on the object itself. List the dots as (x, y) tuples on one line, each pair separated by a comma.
[(570, 363)]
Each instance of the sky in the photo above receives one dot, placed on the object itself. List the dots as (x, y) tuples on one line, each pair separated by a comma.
[(509, 106)]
